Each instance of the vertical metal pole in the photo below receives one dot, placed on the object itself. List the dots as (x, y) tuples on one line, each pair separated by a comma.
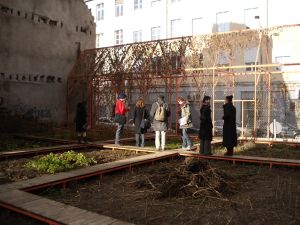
[(269, 105), (167, 12), (213, 101), (176, 106), (255, 85), (242, 118)]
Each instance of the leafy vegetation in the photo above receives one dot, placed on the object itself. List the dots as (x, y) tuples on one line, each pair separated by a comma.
[(53, 163)]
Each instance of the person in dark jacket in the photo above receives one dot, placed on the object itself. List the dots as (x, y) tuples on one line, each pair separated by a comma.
[(229, 127), (205, 132), (81, 122), (140, 114), (160, 113), (120, 116)]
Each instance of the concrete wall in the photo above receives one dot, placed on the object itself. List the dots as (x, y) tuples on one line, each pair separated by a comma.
[(39, 44)]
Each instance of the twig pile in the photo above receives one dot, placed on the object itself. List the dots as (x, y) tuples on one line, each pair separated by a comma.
[(193, 178)]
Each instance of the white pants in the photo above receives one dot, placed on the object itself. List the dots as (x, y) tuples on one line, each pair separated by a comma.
[(161, 143)]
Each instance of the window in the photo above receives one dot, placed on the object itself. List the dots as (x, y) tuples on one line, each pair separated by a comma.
[(156, 65), (176, 28), (99, 38), (223, 58), (250, 57), (250, 68), (138, 4), (118, 37), (137, 36), (281, 60), (197, 26), (222, 21), (155, 3), (119, 7), (175, 62), (155, 33), (100, 12)]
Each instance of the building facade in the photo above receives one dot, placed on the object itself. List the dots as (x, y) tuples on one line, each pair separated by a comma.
[(40, 41), (127, 21)]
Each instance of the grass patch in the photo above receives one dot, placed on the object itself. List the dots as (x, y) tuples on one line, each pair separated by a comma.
[(170, 144), (53, 163)]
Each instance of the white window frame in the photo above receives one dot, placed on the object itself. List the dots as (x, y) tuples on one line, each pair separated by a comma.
[(155, 33), (137, 36), (193, 25), (100, 11), (119, 9), (155, 3), (176, 28), (99, 38), (223, 21), (282, 59), (138, 4), (119, 37)]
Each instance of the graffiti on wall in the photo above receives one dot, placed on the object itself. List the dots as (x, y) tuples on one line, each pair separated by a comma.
[(31, 112)]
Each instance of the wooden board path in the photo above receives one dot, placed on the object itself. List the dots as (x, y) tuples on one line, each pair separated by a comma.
[(14, 197)]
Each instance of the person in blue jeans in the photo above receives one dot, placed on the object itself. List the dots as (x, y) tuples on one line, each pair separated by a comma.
[(185, 122)]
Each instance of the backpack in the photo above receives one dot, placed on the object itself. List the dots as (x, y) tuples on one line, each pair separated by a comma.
[(160, 113)]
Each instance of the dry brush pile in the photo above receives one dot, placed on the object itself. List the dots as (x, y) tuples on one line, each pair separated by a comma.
[(194, 178)]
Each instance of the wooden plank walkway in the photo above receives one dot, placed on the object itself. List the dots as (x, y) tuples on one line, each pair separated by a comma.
[(247, 159), (50, 211), (14, 197)]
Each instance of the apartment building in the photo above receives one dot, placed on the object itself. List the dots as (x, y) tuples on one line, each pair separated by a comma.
[(128, 21)]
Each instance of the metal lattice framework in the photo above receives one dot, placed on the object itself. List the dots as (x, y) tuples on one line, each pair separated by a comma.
[(201, 62)]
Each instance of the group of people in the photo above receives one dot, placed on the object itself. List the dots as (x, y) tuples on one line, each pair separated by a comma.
[(229, 126), (159, 115)]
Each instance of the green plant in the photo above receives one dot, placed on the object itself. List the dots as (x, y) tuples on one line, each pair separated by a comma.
[(53, 163)]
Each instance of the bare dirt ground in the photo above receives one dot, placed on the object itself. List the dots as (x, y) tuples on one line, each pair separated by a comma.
[(182, 192), (9, 143), (15, 170), (275, 151)]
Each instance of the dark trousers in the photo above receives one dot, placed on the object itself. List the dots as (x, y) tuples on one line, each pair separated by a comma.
[(205, 147)]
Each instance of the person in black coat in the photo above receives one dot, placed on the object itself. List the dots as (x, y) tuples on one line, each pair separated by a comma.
[(205, 132), (229, 127), (81, 122), (140, 113)]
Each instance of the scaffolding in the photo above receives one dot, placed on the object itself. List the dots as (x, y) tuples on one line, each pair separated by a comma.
[(195, 66)]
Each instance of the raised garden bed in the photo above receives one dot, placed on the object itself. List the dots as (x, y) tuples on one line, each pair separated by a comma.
[(15, 170), (190, 192)]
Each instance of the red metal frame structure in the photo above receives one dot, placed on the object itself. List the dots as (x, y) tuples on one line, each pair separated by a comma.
[(168, 66)]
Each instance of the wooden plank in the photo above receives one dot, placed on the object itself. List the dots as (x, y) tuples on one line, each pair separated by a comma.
[(17, 197), (267, 159), (53, 210)]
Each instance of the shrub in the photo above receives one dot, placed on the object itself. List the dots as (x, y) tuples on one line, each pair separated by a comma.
[(53, 163)]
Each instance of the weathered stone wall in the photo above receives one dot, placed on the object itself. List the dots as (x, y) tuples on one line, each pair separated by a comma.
[(39, 44)]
